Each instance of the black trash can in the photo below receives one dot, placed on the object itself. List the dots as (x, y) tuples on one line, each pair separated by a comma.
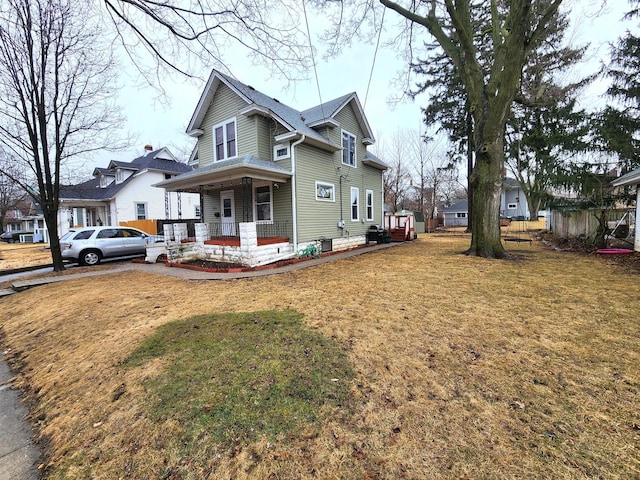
[(375, 234)]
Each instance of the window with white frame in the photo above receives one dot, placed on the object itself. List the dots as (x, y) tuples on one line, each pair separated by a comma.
[(369, 199), (355, 204), (512, 206), (224, 140), (263, 205), (325, 192), (461, 214), (120, 175), (281, 151), (348, 149), (141, 211)]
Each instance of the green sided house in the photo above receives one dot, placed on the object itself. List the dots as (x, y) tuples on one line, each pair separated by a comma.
[(273, 179)]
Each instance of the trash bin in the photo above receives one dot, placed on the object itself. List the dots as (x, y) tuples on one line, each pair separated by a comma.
[(375, 234)]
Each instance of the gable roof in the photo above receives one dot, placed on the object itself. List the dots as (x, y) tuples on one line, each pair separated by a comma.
[(161, 160), (631, 178), (459, 206), (295, 121)]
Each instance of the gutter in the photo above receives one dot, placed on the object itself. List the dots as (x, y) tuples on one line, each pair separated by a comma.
[(294, 196)]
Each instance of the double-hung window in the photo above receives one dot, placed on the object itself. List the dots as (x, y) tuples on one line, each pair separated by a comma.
[(355, 204), (224, 137), (348, 149), (141, 211), (263, 204), (369, 198)]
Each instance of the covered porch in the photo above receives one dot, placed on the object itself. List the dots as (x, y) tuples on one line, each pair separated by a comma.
[(245, 211)]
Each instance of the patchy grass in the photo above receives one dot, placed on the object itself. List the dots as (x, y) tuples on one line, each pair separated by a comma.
[(463, 368), (238, 377)]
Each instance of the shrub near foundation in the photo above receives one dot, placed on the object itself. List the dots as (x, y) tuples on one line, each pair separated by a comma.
[(236, 378)]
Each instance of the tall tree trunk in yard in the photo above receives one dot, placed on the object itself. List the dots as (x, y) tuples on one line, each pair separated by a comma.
[(490, 64)]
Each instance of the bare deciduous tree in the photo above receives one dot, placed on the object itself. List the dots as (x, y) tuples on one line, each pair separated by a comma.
[(175, 34), (57, 83)]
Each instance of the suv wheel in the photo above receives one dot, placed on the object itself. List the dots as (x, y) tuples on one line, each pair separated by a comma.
[(90, 257)]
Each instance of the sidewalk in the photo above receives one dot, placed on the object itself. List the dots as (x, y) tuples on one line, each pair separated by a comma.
[(188, 274), (19, 455)]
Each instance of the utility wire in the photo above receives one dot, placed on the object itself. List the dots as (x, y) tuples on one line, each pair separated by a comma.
[(313, 60), (375, 54)]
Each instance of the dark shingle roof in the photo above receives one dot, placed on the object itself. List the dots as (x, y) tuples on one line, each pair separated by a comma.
[(91, 190)]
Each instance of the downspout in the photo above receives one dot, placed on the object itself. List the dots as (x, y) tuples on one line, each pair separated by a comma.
[(294, 196)]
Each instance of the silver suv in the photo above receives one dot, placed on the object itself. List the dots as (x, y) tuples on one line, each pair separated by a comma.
[(89, 245)]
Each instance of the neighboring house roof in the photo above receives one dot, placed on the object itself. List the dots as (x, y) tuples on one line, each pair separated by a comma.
[(631, 178), (509, 183), (459, 206), (296, 122), (235, 169), (158, 160)]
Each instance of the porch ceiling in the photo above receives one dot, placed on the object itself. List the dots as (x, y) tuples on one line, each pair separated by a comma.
[(225, 172)]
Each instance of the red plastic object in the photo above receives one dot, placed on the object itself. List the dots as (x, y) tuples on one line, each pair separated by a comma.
[(614, 251)]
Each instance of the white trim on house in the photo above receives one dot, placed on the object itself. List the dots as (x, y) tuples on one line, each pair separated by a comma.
[(350, 147), (369, 211), (281, 151), (355, 203), (325, 191), (225, 139), (262, 185)]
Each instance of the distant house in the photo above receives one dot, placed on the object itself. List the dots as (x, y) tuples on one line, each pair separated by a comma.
[(456, 215), (25, 217), (124, 191), (513, 204), (277, 178), (632, 179)]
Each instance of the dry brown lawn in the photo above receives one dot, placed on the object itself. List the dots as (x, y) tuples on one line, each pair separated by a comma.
[(465, 367), (20, 255)]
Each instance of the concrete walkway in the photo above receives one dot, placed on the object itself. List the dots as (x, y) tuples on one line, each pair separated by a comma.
[(19, 455)]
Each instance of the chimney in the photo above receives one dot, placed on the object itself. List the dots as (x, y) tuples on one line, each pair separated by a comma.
[(148, 148)]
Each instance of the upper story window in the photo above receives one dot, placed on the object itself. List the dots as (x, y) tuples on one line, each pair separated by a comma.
[(348, 149), (224, 138), (141, 211), (281, 151), (120, 175)]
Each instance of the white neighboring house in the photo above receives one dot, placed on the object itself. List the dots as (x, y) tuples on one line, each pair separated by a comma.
[(632, 179), (123, 192)]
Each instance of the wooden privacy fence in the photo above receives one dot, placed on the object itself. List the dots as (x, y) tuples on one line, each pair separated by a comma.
[(149, 226), (580, 223)]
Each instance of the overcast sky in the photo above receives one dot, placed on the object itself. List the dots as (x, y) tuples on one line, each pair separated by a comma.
[(164, 125)]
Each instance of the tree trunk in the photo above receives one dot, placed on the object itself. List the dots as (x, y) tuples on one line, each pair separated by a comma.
[(51, 220), (486, 184)]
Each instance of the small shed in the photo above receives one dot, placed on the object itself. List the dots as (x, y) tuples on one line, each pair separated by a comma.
[(401, 225), (632, 179)]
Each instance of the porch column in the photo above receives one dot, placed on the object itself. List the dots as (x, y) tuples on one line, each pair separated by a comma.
[(247, 199), (202, 232), (248, 236)]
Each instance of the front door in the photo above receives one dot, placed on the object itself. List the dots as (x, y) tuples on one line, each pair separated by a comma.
[(228, 213)]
